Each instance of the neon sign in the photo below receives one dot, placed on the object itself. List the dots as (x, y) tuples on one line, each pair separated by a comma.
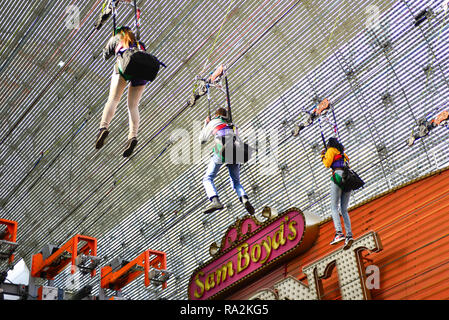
[(251, 248)]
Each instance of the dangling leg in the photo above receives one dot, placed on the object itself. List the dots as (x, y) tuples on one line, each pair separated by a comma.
[(208, 182), (134, 95), (344, 201), (234, 174), (118, 84), (335, 193)]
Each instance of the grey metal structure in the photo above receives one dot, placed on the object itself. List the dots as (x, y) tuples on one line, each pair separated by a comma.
[(381, 72)]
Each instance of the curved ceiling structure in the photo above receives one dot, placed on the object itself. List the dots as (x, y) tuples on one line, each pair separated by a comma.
[(382, 73)]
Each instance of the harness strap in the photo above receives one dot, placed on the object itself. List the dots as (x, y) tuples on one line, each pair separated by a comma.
[(137, 18), (219, 127)]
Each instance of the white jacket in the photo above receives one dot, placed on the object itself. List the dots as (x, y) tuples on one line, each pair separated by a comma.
[(208, 130)]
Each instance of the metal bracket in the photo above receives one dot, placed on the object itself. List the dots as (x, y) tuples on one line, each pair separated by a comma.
[(159, 276)]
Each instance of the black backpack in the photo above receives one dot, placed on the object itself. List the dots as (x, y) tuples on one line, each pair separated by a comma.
[(350, 179), (138, 64), (232, 150)]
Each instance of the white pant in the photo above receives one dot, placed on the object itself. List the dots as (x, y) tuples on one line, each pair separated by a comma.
[(118, 85)]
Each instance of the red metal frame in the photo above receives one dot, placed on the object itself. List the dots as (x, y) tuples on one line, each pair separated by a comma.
[(116, 280), (50, 267)]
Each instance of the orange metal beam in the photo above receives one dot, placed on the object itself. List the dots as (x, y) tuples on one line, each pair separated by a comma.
[(56, 262), (116, 280)]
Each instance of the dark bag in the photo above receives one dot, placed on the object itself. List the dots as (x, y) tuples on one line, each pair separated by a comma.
[(232, 150), (243, 151), (350, 180), (138, 64)]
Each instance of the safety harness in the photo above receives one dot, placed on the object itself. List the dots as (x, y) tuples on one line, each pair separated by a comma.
[(134, 62)]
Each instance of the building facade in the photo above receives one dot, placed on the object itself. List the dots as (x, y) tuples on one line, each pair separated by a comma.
[(400, 252)]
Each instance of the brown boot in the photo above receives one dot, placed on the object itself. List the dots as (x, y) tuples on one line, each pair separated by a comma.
[(130, 147), (248, 205), (215, 205), (101, 138)]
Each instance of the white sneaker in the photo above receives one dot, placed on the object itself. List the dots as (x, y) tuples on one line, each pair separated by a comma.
[(338, 238)]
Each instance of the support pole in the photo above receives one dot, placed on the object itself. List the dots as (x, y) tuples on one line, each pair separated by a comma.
[(137, 21), (228, 99), (113, 16)]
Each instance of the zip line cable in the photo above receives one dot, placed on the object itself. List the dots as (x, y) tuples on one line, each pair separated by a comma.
[(216, 38), (163, 40)]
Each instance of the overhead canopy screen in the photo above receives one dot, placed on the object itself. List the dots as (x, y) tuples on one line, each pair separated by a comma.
[(381, 64)]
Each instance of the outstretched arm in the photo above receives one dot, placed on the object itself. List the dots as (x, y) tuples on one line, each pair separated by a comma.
[(111, 45), (205, 132)]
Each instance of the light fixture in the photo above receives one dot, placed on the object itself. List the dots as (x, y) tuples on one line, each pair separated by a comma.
[(269, 213), (159, 276), (213, 249), (422, 16)]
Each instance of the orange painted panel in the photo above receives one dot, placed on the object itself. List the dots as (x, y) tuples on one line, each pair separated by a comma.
[(413, 225)]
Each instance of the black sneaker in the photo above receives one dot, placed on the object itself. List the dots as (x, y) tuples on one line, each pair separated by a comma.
[(130, 147), (348, 242), (101, 138), (248, 205)]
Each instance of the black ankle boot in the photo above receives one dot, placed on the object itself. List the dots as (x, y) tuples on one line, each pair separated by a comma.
[(247, 205), (101, 138), (130, 147), (215, 205)]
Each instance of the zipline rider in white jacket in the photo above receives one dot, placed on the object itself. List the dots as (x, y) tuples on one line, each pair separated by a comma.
[(224, 134)]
